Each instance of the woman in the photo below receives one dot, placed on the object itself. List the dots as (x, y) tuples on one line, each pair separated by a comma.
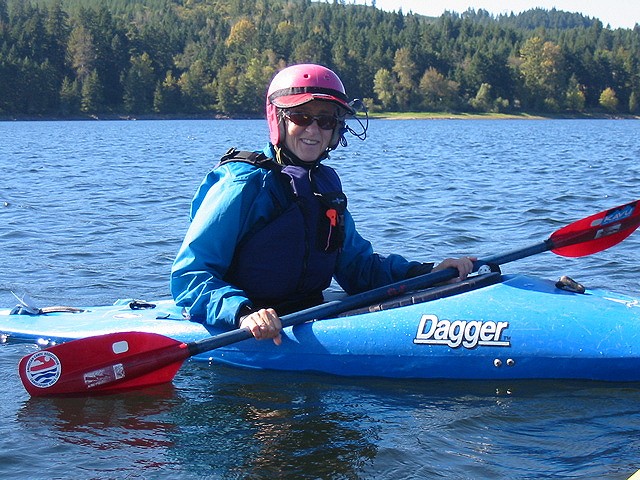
[(269, 230)]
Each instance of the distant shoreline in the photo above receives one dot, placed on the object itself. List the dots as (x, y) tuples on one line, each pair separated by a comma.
[(372, 116), (496, 116)]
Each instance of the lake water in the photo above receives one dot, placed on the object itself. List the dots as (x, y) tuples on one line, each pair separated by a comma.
[(95, 211)]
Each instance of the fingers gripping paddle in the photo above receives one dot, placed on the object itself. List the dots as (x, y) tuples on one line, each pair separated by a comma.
[(127, 360)]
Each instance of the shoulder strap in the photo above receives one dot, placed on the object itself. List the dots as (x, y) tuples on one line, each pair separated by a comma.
[(259, 159)]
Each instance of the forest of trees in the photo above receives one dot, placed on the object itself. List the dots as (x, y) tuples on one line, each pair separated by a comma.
[(70, 57)]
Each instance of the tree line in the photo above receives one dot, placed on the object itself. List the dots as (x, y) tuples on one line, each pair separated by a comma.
[(67, 57)]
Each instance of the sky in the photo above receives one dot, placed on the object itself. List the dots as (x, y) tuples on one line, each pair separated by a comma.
[(616, 13)]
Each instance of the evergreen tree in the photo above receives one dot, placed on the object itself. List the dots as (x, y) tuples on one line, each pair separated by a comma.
[(222, 54), (81, 52), (166, 97), (70, 97), (196, 86), (406, 72), (139, 85), (634, 107), (91, 94)]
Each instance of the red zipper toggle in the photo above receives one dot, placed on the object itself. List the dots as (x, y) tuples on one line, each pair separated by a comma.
[(332, 215)]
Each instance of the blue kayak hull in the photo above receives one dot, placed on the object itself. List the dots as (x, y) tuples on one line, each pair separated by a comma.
[(519, 328)]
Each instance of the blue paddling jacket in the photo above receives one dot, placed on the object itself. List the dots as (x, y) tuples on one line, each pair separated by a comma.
[(263, 235)]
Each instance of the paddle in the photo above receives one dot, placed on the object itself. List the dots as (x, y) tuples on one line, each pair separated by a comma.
[(125, 360)]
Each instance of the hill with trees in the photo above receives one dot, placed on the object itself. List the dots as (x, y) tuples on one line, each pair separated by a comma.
[(70, 57)]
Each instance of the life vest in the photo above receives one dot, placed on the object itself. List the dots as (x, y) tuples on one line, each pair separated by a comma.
[(288, 262)]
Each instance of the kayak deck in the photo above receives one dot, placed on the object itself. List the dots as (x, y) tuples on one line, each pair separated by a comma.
[(516, 328)]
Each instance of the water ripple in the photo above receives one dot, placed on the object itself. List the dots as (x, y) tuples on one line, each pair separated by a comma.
[(94, 211)]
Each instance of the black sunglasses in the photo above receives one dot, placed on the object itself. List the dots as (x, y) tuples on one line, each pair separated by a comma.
[(325, 122)]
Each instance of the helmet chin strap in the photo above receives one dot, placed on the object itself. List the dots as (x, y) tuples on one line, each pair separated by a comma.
[(284, 156)]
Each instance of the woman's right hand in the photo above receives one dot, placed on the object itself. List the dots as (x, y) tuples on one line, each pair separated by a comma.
[(263, 324), (464, 265)]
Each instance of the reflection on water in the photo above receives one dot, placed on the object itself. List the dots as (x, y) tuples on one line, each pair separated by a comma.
[(252, 425), (116, 435), (220, 422)]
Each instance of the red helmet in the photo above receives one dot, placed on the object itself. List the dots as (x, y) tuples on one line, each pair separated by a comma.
[(300, 84)]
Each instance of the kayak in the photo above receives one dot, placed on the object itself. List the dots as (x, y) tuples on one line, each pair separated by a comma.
[(490, 327)]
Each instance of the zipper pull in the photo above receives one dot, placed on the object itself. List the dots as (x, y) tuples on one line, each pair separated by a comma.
[(332, 215)]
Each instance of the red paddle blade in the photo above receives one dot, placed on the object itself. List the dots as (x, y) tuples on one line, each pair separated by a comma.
[(597, 232), (105, 363)]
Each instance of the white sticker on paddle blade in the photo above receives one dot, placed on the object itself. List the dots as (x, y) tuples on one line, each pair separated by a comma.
[(120, 347), (104, 375)]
